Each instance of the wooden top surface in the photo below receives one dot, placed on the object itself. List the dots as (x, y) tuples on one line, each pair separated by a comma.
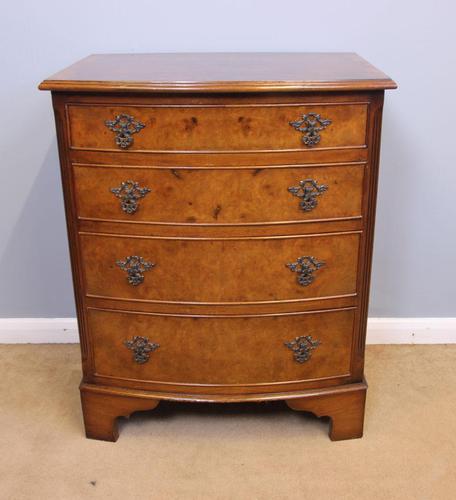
[(219, 72)]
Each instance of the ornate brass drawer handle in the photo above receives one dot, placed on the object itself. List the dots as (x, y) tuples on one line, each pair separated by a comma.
[(310, 124), (135, 266), (305, 267), (129, 193), (302, 347), (308, 191), (141, 348), (124, 127)]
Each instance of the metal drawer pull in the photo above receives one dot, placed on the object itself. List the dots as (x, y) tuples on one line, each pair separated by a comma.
[(129, 193), (310, 124), (141, 348), (308, 191), (302, 347), (135, 267), (124, 127), (305, 267)]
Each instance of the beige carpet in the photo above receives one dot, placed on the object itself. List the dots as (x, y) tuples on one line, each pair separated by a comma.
[(230, 452)]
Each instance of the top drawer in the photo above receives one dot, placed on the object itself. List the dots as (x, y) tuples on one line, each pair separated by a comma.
[(217, 127)]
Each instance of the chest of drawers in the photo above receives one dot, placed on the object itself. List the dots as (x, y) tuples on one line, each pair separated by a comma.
[(220, 212)]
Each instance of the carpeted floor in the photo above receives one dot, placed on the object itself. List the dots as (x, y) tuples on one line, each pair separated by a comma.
[(230, 452)]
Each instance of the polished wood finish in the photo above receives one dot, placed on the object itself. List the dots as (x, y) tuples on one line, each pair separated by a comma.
[(344, 405), (224, 127), (219, 72), (218, 155), (223, 195), (210, 270), (345, 409), (233, 350), (101, 412)]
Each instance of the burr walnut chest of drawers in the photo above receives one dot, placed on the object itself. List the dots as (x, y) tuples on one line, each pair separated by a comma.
[(220, 212)]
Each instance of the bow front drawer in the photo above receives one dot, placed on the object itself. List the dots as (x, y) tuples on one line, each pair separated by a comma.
[(220, 212), (215, 350), (222, 195), (233, 270), (216, 128)]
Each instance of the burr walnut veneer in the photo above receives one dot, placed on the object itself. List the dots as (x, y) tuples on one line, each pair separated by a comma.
[(220, 213)]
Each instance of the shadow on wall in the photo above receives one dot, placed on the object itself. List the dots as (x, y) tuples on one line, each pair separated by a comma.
[(395, 232), (35, 277), (35, 266)]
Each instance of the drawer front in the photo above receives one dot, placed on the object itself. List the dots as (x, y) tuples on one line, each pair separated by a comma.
[(251, 269), (222, 195), (229, 127), (211, 350)]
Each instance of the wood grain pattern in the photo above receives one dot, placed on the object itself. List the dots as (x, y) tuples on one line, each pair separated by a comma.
[(345, 409), (231, 159), (344, 405), (218, 154), (219, 72), (101, 411), (221, 351), (224, 308), (217, 196), (225, 270), (226, 127)]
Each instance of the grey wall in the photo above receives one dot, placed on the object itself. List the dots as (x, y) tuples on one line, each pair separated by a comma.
[(412, 41)]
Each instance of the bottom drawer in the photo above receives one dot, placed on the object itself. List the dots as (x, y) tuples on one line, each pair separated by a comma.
[(221, 350)]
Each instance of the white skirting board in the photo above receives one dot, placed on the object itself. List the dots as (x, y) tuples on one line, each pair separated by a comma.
[(379, 331), (38, 331)]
